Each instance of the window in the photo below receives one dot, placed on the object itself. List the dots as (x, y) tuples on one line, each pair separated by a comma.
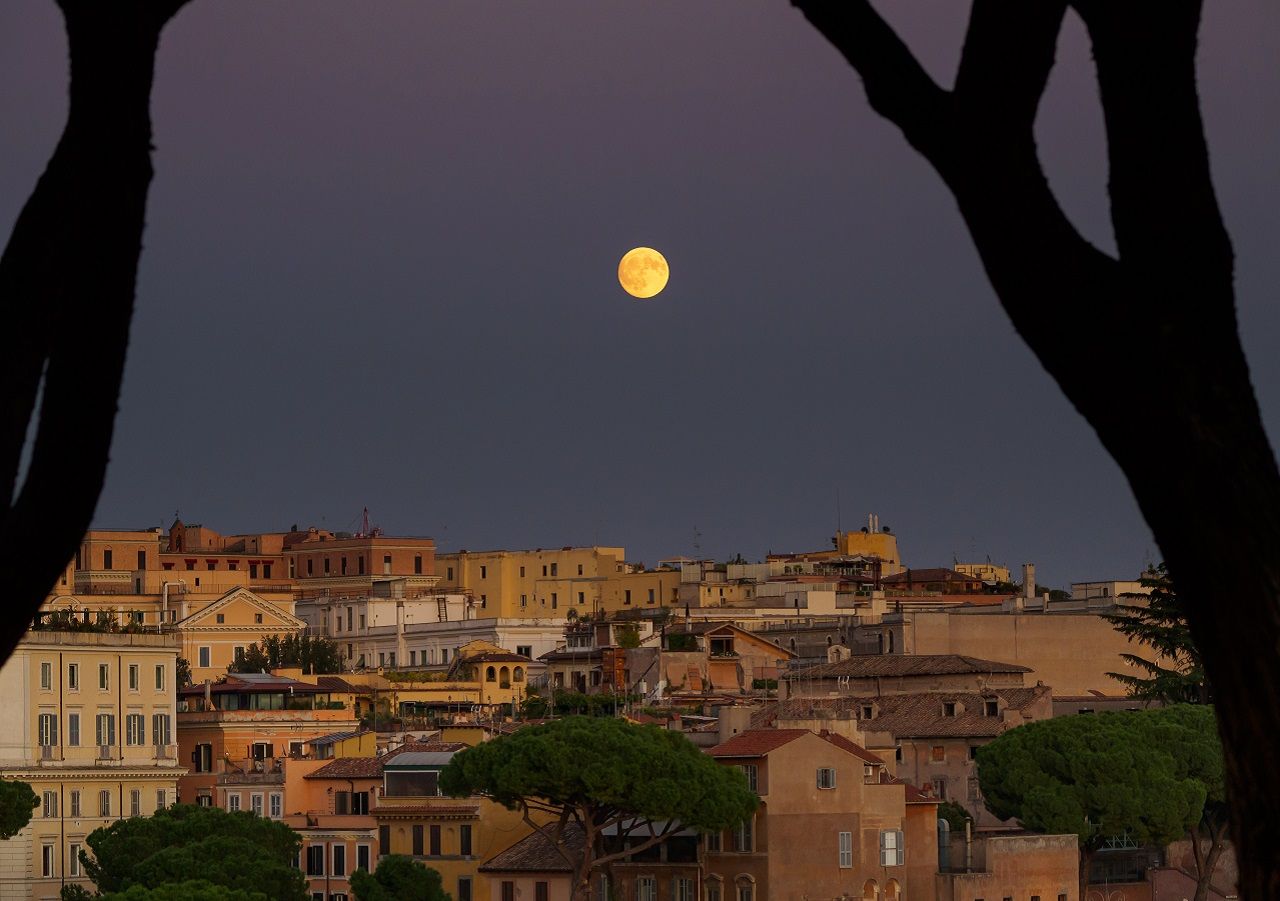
[(448, 573), (646, 889), (326, 566), (339, 859), (973, 752), (540, 891), (203, 656), (133, 677), (651, 596), (743, 840), (940, 788), (135, 803), (255, 804), (826, 777), (484, 572), (107, 558), (162, 800), (464, 840), (202, 758), (343, 562), (104, 677), (752, 772), (682, 890), (417, 840), (553, 600), (276, 806), (544, 571), (713, 841), (417, 564), (386, 564), (233, 801), (73, 676), (46, 676), (362, 857), (464, 888), (713, 890), (991, 707), (891, 851), (745, 893), (48, 729), (948, 708), (937, 754), (75, 804), (555, 567), (46, 860), (73, 858), (73, 730), (257, 618), (975, 790), (160, 725), (413, 658), (134, 729), (435, 841), (846, 850), (315, 860), (626, 596), (106, 729), (351, 803), (484, 601), (579, 569), (49, 807), (524, 650), (104, 803), (524, 600), (582, 597), (160, 677)]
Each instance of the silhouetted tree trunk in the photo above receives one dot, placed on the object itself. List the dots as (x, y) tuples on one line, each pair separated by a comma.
[(66, 288), (1142, 342)]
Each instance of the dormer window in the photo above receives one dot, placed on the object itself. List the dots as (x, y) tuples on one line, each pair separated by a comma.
[(991, 707), (948, 708), (868, 712)]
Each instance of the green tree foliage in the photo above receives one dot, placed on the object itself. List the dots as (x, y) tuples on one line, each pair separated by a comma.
[(1143, 774), (574, 703), (955, 815), (190, 890), (17, 800), (628, 635), (313, 654), (398, 878), (185, 842), (601, 774), (1176, 675), (184, 672)]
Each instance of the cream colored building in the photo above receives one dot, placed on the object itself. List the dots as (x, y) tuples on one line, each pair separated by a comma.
[(537, 583), (89, 724)]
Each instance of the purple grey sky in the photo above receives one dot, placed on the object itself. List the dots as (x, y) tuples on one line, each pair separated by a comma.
[(380, 270)]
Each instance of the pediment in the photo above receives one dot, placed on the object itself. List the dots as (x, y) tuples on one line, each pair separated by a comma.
[(240, 609)]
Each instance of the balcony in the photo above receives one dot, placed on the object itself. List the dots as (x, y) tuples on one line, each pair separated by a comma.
[(250, 771)]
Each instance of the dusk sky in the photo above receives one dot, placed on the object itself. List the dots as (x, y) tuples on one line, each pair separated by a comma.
[(380, 270)]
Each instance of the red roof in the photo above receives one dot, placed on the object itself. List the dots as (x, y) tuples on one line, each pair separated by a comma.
[(756, 742), (845, 745)]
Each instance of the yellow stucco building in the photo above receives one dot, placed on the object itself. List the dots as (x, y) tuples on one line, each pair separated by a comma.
[(89, 725)]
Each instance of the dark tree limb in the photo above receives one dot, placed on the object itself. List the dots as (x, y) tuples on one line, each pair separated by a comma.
[(1145, 342), (67, 280)]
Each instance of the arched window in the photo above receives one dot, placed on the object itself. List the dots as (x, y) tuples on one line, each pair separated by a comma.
[(491, 675), (870, 891), (891, 891), (517, 674), (504, 678)]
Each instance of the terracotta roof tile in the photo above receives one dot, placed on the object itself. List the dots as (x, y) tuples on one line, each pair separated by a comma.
[(756, 742), (869, 666), (349, 768), (845, 745), (536, 854)]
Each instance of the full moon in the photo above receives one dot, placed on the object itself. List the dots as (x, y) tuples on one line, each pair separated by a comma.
[(643, 272)]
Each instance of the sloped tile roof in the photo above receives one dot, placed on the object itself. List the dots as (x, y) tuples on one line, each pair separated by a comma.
[(349, 768), (869, 666), (756, 742), (855, 749), (536, 854)]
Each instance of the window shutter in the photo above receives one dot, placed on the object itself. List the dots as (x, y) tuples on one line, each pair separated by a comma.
[(901, 851)]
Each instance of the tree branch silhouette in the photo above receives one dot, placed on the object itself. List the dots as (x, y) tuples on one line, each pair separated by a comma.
[(1144, 344), (67, 280)]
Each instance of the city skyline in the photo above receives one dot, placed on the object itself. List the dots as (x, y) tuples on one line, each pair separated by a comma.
[(365, 283)]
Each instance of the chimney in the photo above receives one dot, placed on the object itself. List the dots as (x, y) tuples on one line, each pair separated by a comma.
[(1028, 580)]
